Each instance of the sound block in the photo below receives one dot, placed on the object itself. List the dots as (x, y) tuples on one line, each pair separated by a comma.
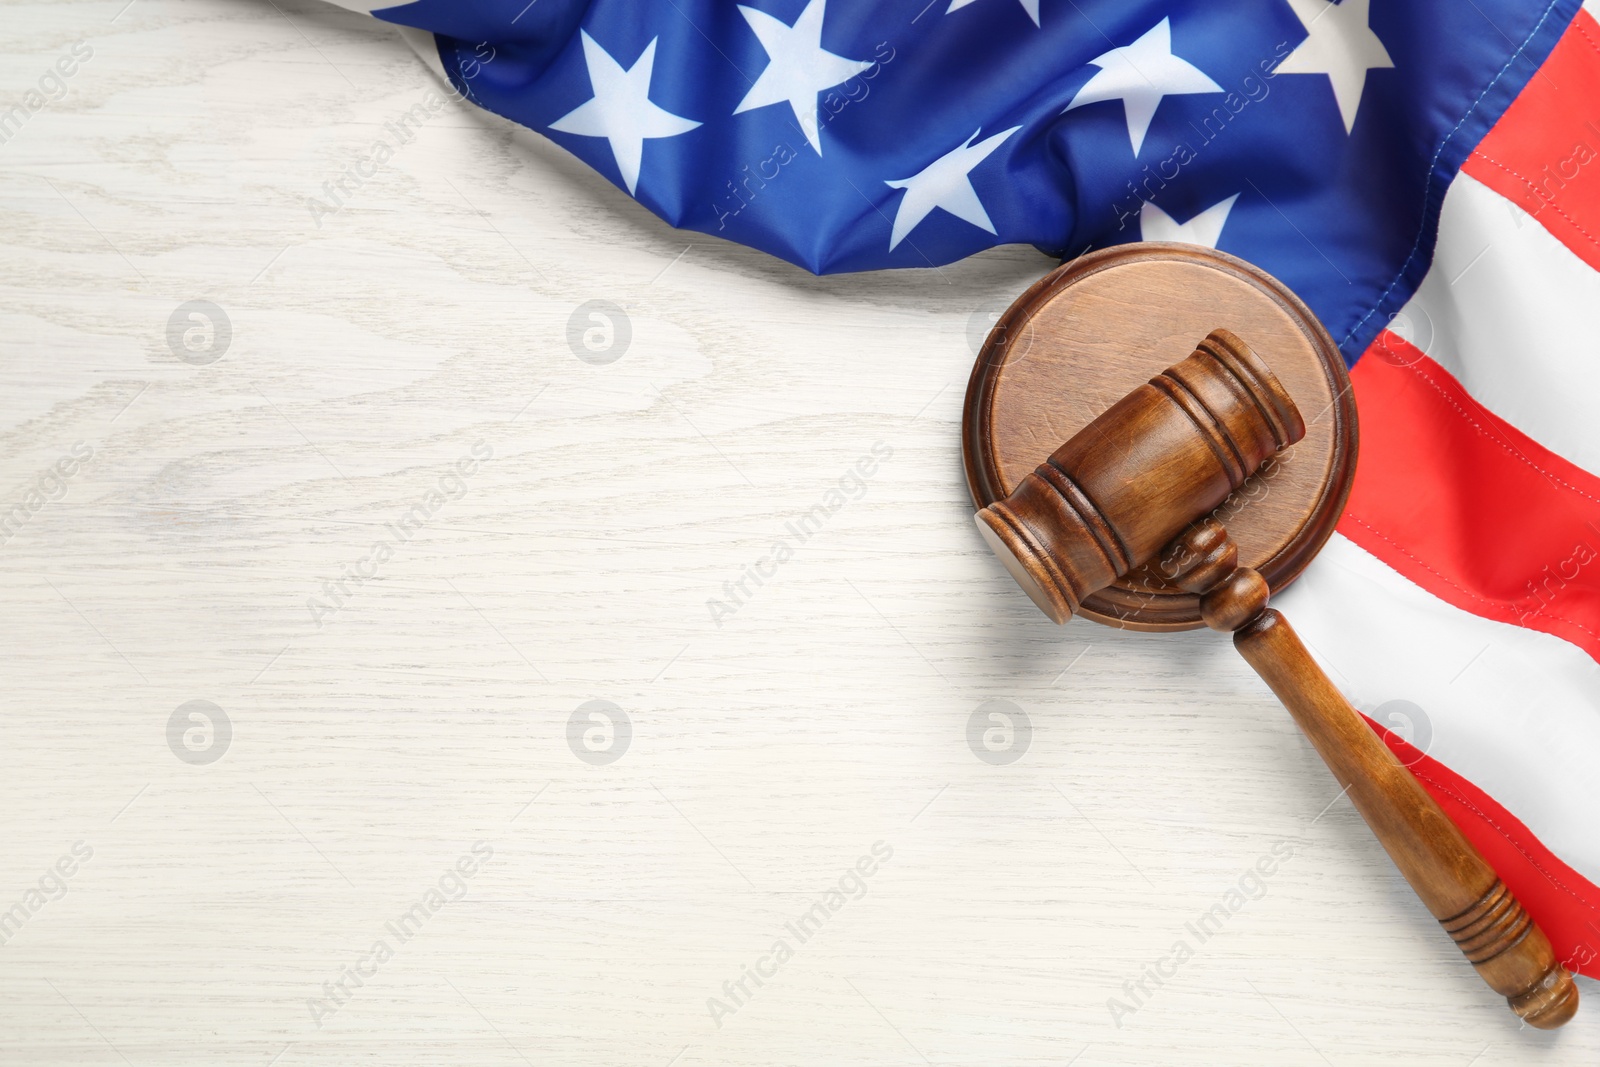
[(1094, 329)]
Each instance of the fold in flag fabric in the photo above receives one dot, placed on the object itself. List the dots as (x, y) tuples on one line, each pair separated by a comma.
[(1426, 176)]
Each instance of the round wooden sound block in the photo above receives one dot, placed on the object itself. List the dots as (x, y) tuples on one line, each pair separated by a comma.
[(1092, 330)]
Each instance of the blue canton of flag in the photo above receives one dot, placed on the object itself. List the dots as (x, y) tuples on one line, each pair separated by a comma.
[(1314, 139)]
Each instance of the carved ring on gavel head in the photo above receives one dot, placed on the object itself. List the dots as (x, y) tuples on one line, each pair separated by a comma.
[(1149, 458)]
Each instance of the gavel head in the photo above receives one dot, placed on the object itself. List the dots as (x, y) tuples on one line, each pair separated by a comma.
[(1163, 456)]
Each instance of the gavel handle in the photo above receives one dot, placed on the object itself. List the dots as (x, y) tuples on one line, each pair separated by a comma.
[(1485, 920)]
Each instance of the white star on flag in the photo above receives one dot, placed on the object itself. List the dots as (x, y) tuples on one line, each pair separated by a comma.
[(944, 184), (621, 110), (1030, 6), (1342, 46), (1140, 75), (1204, 229), (799, 67)]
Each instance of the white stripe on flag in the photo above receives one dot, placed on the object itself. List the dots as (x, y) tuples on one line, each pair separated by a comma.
[(1514, 711), (1512, 314)]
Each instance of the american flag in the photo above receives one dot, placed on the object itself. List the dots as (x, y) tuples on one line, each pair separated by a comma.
[(1424, 174)]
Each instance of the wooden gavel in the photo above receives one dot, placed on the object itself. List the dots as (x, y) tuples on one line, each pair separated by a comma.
[(1143, 477)]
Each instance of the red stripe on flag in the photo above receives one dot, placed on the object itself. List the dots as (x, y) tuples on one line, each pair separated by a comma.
[(1564, 903), (1472, 510), (1544, 153), (1468, 507)]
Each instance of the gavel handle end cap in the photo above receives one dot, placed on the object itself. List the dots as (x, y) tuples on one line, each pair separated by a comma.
[(1550, 1004)]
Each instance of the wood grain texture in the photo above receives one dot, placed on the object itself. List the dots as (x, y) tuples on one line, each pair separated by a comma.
[(837, 706), (1091, 331), (1090, 519)]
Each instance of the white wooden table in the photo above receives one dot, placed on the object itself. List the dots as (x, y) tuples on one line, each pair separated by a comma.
[(245, 863)]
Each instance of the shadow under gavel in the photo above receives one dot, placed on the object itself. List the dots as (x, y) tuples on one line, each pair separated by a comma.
[(1137, 482)]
